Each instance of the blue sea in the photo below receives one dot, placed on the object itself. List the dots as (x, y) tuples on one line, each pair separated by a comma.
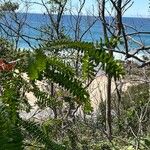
[(33, 22)]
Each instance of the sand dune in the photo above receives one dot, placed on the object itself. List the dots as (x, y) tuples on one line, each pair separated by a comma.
[(97, 90)]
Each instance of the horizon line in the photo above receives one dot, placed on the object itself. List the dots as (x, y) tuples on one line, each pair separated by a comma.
[(124, 16)]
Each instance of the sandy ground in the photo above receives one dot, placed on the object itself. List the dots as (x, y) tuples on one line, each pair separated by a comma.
[(97, 90)]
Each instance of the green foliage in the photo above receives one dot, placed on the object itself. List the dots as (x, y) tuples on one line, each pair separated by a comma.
[(88, 70), (66, 131), (59, 2), (45, 67), (102, 146), (138, 99), (35, 132), (11, 136), (9, 6), (147, 141), (134, 113), (44, 99), (36, 65), (15, 131), (114, 41), (10, 133), (97, 55), (5, 49), (59, 72)]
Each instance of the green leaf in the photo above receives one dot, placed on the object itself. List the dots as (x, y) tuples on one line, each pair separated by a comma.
[(147, 142), (40, 61)]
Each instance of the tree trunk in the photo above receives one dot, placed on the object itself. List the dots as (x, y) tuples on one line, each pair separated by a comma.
[(108, 109)]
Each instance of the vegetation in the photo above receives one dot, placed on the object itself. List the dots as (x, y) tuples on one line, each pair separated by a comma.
[(58, 73)]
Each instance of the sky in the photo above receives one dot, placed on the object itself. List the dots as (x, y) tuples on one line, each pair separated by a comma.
[(140, 8)]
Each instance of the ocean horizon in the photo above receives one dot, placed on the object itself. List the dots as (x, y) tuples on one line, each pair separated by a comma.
[(35, 21)]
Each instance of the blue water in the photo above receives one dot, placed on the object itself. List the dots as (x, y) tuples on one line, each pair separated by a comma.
[(37, 21)]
